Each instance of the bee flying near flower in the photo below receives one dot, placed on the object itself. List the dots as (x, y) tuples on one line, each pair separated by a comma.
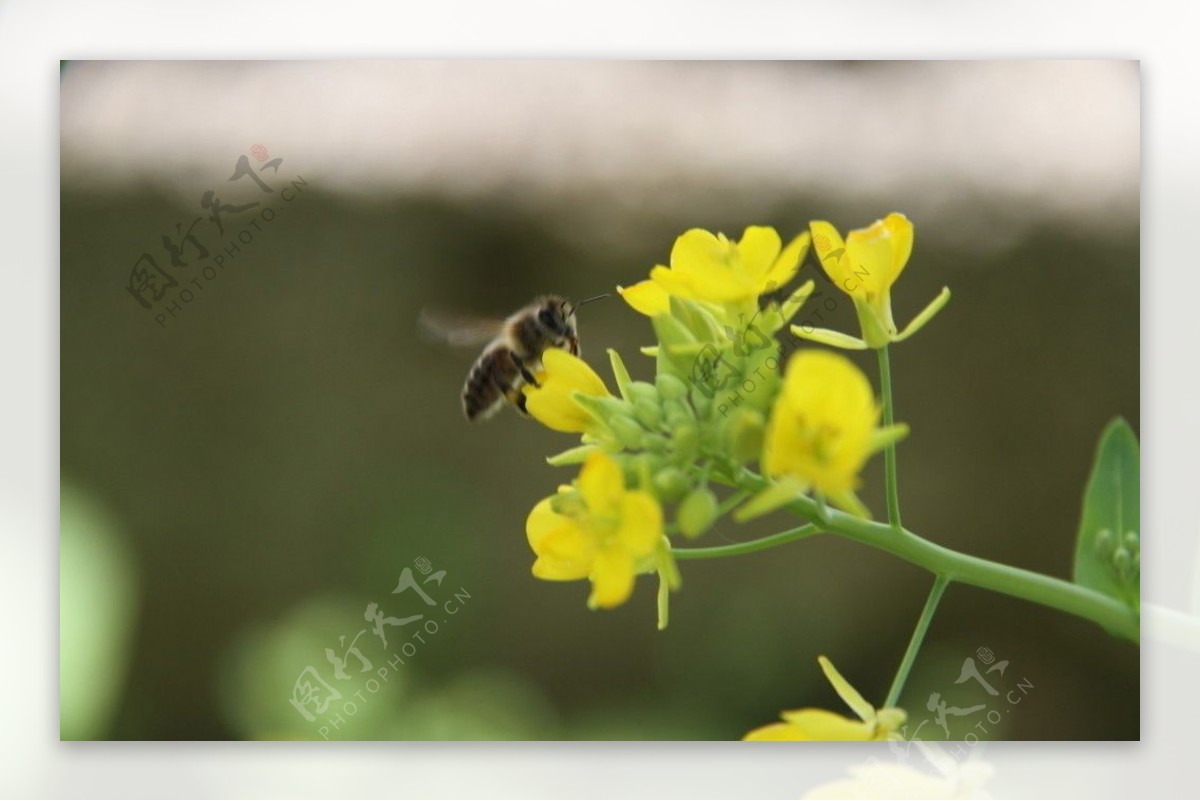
[(513, 352)]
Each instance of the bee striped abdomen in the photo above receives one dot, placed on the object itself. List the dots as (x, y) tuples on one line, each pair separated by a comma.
[(493, 379)]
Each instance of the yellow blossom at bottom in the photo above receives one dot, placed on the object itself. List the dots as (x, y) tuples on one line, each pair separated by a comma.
[(822, 725), (601, 531)]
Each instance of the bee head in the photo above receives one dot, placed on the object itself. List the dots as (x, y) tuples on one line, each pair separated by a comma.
[(556, 316)]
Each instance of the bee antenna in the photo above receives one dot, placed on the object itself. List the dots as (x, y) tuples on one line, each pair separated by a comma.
[(575, 308)]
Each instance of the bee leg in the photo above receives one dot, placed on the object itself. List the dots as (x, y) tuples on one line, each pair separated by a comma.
[(517, 398), (525, 373)]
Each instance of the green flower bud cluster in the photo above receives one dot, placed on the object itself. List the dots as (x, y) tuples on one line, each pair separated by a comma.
[(659, 437), (718, 374)]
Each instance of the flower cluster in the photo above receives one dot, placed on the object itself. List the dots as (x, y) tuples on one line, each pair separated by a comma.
[(655, 453)]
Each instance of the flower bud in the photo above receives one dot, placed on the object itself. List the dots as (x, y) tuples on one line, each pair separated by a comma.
[(648, 414), (671, 483), (697, 512), (627, 430), (677, 413), (671, 388), (686, 439), (643, 391), (1121, 559)]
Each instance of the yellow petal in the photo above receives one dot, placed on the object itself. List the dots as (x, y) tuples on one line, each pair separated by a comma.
[(846, 692), (821, 423), (549, 569), (573, 371), (703, 268), (641, 523), (775, 732), (601, 483), (552, 406), (871, 262), (832, 253), (697, 247), (759, 248), (788, 263), (646, 297), (823, 384), (782, 456), (711, 281), (823, 725), (541, 521), (901, 232), (612, 578), (565, 553), (879, 252)]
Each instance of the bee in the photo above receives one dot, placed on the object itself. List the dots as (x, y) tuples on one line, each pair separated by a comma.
[(513, 352)]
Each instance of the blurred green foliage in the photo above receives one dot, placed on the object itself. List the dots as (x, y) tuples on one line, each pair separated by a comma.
[(97, 603)]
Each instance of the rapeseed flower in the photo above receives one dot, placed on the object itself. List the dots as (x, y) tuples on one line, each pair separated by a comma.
[(598, 530), (865, 266), (823, 725), (823, 427), (711, 268)]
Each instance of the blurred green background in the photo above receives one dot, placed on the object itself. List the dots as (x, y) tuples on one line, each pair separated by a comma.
[(239, 485)]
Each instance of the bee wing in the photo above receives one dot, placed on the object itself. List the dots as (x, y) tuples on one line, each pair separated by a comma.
[(458, 330)]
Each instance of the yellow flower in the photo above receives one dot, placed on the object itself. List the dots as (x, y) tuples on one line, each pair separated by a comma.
[(865, 266), (552, 403), (711, 268), (822, 725), (603, 532), (823, 427)]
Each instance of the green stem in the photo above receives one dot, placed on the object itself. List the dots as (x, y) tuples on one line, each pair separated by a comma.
[(1064, 596), (732, 502), (918, 636), (889, 419), (719, 551)]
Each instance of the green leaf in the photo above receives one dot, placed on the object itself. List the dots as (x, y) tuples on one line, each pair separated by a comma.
[(1108, 548)]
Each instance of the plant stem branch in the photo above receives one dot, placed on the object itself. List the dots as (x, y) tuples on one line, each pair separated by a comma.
[(762, 544), (918, 636), (889, 419), (1064, 596)]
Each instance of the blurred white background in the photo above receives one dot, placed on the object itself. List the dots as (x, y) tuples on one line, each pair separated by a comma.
[(637, 132)]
